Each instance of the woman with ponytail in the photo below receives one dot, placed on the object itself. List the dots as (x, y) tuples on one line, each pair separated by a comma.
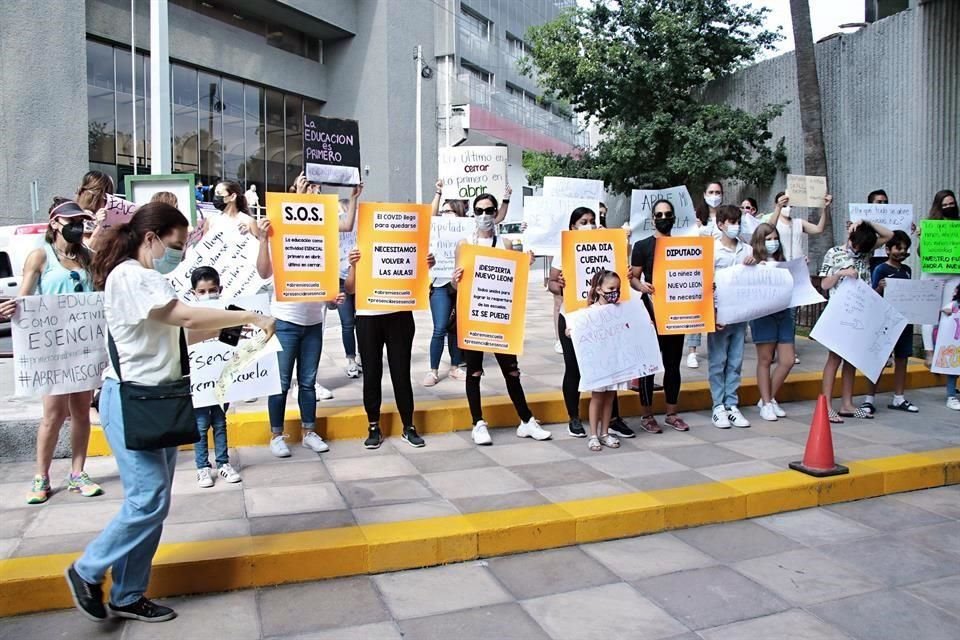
[(229, 200), (145, 320), (92, 196)]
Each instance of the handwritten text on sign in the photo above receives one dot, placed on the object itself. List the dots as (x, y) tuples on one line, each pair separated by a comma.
[(747, 293), (469, 171), (547, 218), (893, 216), (641, 211), (331, 149), (586, 253), (807, 191), (446, 232), (58, 344), (572, 188), (232, 253), (940, 246), (917, 300), (946, 354)]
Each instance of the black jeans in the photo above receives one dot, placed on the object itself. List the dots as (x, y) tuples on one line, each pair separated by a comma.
[(571, 375), (511, 375), (395, 331), (671, 348)]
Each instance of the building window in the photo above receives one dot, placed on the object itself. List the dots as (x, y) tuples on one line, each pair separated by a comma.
[(474, 23), (515, 46), (476, 74)]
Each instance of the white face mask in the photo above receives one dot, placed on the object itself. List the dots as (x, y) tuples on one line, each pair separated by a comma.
[(712, 201), (202, 297), (587, 227), (732, 231), (785, 211)]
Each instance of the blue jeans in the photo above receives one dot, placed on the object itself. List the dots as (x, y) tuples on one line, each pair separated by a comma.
[(301, 346), (951, 386), (207, 417), (725, 348), (442, 301), (694, 340), (127, 545), (348, 314)]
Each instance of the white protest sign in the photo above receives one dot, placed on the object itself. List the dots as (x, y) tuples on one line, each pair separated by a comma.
[(348, 242), (208, 360), (749, 292), (547, 218), (556, 187), (469, 171), (446, 232), (859, 326), (748, 224), (641, 211), (58, 344), (807, 191), (803, 292), (118, 211), (626, 325), (946, 353), (232, 254), (917, 300), (892, 216)]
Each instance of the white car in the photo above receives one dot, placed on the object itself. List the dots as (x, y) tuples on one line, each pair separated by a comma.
[(16, 243), (511, 230)]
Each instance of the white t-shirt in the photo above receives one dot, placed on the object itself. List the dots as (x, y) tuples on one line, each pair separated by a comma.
[(224, 222), (305, 314), (793, 240), (149, 351)]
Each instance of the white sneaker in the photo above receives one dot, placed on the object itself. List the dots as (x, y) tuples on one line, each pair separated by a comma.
[(692, 362), (228, 473), (480, 434), (278, 447), (532, 429), (557, 347), (323, 393), (204, 479), (314, 442), (780, 413), (352, 369), (767, 412), (736, 418), (720, 419), (953, 402)]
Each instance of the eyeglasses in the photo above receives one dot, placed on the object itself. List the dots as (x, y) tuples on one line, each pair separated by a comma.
[(662, 215), (78, 287), (485, 211)]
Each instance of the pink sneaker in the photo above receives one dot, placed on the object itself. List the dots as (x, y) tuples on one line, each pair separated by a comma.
[(458, 373)]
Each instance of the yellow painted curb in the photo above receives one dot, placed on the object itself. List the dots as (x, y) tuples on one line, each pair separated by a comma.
[(251, 428), (36, 583)]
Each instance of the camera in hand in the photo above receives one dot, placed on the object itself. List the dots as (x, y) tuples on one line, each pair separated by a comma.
[(231, 335)]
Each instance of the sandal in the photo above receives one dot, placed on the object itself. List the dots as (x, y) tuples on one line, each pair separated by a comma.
[(868, 407), (649, 424), (858, 413), (677, 422), (593, 443), (834, 417), (906, 405), (608, 440)]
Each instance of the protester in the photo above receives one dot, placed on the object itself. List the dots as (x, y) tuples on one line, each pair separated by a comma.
[(878, 196), (773, 334), (951, 309), (749, 207), (850, 260), (944, 207), (347, 310), (602, 217), (484, 209), (62, 266), (205, 286), (229, 200), (604, 289), (793, 231), (92, 196), (145, 320), (706, 212), (166, 197)]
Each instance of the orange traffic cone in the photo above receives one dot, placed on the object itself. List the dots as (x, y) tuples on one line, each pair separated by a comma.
[(818, 457)]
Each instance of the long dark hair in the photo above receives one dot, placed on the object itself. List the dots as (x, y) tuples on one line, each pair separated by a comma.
[(92, 194), (702, 209), (123, 241), (578, 213), (78, 249), (234, 188), (597, 281), (935, 212), (759, 243)]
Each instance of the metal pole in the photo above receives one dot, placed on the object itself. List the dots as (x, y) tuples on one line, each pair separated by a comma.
[(133, 75), (160, 139), (419, 145)]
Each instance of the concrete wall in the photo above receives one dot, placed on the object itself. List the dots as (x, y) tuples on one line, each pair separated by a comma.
[(43, 103)]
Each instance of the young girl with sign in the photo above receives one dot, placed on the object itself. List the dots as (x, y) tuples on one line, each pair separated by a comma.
[(952, 309), (604, 289), (484, 210)]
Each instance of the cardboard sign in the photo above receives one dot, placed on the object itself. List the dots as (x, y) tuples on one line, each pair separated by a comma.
[(892, 216), (683, 285), (469, 171), (394, 240), (555, 187), (141, 188), (304, 246), (584, 254), (233, 254), (547, 218), (641, 211), (446, 232), (118, 210), (807, 191), (492, 299), (803, 292), (59, 344), (859, 326), (749, 292), (331, 150), (917, 300), (628, 326), (946, 353), (940, 246)]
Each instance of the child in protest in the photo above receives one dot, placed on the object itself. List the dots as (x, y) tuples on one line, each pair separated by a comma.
[(604, 289), (850, 260), (725, 345), (205, 283), (952, 309), (898, 250), (773, 333)]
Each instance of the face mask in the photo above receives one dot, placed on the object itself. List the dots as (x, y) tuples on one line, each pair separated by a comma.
[(663, 225), (603, 221), (853, 253), (219, 203), (732, 231), (611, 296), (712, 201), (168, 261), (951, 213), (785, 212), (203, 297), (484, 222), (587, 227), (72, 232), (771, 246)]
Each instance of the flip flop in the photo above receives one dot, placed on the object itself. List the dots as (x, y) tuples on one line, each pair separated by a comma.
[(858, 413), (834, 417), (868, 407)]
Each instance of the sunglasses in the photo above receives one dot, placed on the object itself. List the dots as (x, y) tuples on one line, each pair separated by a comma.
[(485, 211), (747, 209), (662, 215), (78, 287)]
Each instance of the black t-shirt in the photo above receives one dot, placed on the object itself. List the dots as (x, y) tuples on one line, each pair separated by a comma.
[(642, 256)]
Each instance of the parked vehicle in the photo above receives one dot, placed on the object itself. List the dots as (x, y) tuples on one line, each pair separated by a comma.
[(16, 243), (512, 231)]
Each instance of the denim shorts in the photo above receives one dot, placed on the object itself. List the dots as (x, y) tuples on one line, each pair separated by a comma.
[(904, 346), (775, 328)]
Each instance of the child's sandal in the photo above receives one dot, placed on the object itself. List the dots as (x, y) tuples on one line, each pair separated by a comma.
[(608, 440), (593, 443)]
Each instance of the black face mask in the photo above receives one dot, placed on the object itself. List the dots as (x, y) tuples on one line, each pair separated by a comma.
[(72, 232), (950, 213), (219, 203), (663, 225)]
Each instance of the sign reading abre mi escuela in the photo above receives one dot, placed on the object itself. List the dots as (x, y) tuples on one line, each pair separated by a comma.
[(940, 246), (641, 211), (304, 239), (469, 171), (331, 150)]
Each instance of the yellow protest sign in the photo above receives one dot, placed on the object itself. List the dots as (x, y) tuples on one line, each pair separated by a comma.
[(394, 240), (492, 299), (304, 246), (584, 253), (683, 285)]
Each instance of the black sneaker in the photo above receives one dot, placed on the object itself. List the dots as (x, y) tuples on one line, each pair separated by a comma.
[(87, 596), (619, 428), (412, 437), (575, 428), (144, 611), (374, 438)]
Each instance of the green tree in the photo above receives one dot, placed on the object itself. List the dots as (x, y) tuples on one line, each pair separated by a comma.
[(638, 68)]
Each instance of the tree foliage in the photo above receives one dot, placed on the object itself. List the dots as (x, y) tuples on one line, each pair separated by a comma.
[(638, 68)]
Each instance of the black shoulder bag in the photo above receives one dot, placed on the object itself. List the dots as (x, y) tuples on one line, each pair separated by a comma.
[(157, 416)]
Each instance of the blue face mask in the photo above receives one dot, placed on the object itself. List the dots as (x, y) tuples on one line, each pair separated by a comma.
[(170, 260)]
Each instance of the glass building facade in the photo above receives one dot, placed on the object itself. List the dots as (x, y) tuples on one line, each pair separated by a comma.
[(222, 127)]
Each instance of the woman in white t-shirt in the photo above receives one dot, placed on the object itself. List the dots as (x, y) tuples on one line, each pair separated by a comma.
[(229, 200), (706, 226), (145, 319), (793, 231)]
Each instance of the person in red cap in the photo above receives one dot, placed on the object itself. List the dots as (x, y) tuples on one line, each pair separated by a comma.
[(60, 267)]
